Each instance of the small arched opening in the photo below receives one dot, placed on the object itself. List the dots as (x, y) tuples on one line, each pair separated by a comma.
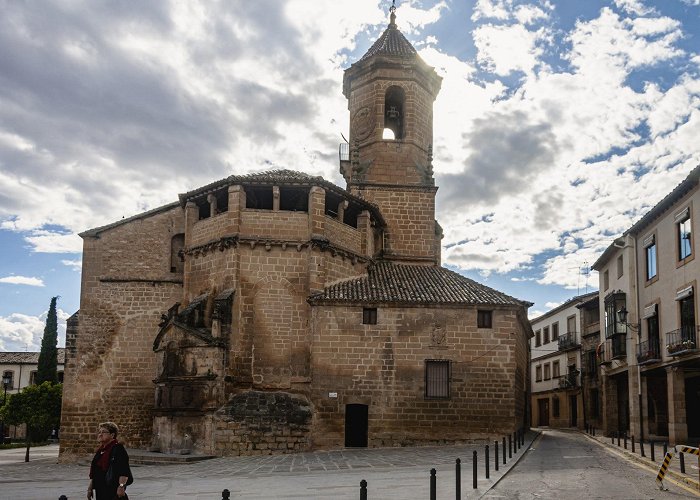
[(394, 101), (177, 244)]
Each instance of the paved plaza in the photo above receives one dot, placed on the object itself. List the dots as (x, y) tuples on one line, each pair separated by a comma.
[(391, 473)]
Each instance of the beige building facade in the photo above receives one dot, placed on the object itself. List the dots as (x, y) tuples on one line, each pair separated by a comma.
[(277, 312), (651, 361), (557, 398)]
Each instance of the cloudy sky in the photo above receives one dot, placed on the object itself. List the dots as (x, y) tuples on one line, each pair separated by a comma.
[(559, 124)]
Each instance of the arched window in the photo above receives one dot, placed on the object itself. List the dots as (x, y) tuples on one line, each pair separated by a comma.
[(394, 113), (177, 243)]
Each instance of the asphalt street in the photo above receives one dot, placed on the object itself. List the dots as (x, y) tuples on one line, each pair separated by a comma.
[(565, 465)]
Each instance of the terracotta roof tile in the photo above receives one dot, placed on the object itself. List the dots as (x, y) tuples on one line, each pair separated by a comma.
[(27, 358), (389, 282), (391, 43)]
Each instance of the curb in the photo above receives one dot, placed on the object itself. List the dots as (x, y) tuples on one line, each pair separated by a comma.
[(676, 476), (526, 449)]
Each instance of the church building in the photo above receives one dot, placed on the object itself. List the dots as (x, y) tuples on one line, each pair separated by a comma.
[(277, 312)]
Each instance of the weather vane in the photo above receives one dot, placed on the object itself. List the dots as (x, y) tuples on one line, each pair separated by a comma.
[(392, 9)]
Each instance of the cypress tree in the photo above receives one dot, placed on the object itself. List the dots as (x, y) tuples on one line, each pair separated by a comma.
[(48, 357)]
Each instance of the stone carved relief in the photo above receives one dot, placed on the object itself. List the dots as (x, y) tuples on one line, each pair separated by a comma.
[(362, 123), (438, 337)]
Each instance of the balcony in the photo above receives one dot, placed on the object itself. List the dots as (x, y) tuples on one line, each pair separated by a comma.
[(569, 381), (682, 341), (648, 352), (567, 341), (613, 348)]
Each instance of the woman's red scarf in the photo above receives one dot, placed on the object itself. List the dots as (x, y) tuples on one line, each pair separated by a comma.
[(103, 460)]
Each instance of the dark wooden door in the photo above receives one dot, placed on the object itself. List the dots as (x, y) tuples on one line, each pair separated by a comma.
[(543, 406), (573, 411), (356, 426)]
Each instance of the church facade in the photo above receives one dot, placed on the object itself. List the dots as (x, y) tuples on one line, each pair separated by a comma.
[(277, 312)]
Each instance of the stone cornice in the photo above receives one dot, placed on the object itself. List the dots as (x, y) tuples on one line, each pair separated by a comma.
[(140, 280), (315, 242)]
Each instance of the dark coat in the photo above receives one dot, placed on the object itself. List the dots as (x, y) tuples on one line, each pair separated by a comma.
[(119, 462)]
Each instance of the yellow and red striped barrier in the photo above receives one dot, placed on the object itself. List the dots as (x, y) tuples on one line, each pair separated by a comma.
[(667, 461)]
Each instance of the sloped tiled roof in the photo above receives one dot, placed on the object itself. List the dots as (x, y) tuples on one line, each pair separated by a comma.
[(28, 358), (391, 43), (387, 282)]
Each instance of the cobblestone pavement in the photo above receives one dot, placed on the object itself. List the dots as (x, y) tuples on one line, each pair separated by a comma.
[(391, 473)]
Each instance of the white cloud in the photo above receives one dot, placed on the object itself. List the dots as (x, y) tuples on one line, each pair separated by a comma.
[(492, 9), (504, 49), (552, 305), (22, 332), (633, 7), (75, 265), (22, 280)]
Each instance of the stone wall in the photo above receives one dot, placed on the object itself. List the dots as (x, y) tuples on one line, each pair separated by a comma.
[(383, 367), (126, 285), (263, 423)]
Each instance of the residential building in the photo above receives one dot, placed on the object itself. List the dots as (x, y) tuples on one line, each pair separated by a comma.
[(590, 364), (651, 362), (19, 370), (275, 312), (556, 366)]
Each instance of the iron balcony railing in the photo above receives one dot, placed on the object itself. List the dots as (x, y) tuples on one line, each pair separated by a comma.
[(613, 348), (590, 365), (681, 341), (567, 340), (569, 381), (344, 151), (648, 352)]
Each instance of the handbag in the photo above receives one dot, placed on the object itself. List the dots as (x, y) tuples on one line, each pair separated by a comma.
[(109, 475)]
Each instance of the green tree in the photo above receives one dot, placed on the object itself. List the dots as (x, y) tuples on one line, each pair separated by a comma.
[(48, 357), (37, 406)]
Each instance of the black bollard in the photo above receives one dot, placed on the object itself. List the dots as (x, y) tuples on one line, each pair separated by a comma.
[(632, 444), (641, 448), (665, 448), (612, 438), (363, 490), (515, 442), (474, 469), (504, 451), (594, 430), (682, 459), (63, 497), (486, 460), (458, 479), (618, 438), (651, 445), (495, 452), (510, 447), (625, 440), (433, 485), (225, 495)]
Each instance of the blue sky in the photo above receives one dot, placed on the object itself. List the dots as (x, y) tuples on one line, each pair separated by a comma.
[(559, 123)]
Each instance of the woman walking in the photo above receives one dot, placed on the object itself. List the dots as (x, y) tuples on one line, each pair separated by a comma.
[(109, 470)]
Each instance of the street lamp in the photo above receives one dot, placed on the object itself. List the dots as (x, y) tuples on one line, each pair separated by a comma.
[(636, 327), (622, 318), (5, 382)]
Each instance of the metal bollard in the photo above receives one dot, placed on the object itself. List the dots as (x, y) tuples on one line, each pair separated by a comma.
[(594, 430), (474, 469), (641, 447), (363, 490), (515, 443), (651, 445), (510, 447), (632, 444), (618, 438), (504, 451), (433, 485), (682, 459), (495, 451), (612, 438), (63, 497), (458, 479), (625, 440), (665, 448), (225, 495), (486, 460)]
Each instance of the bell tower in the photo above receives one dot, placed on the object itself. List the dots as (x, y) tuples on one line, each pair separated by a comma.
[(390, 93)]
